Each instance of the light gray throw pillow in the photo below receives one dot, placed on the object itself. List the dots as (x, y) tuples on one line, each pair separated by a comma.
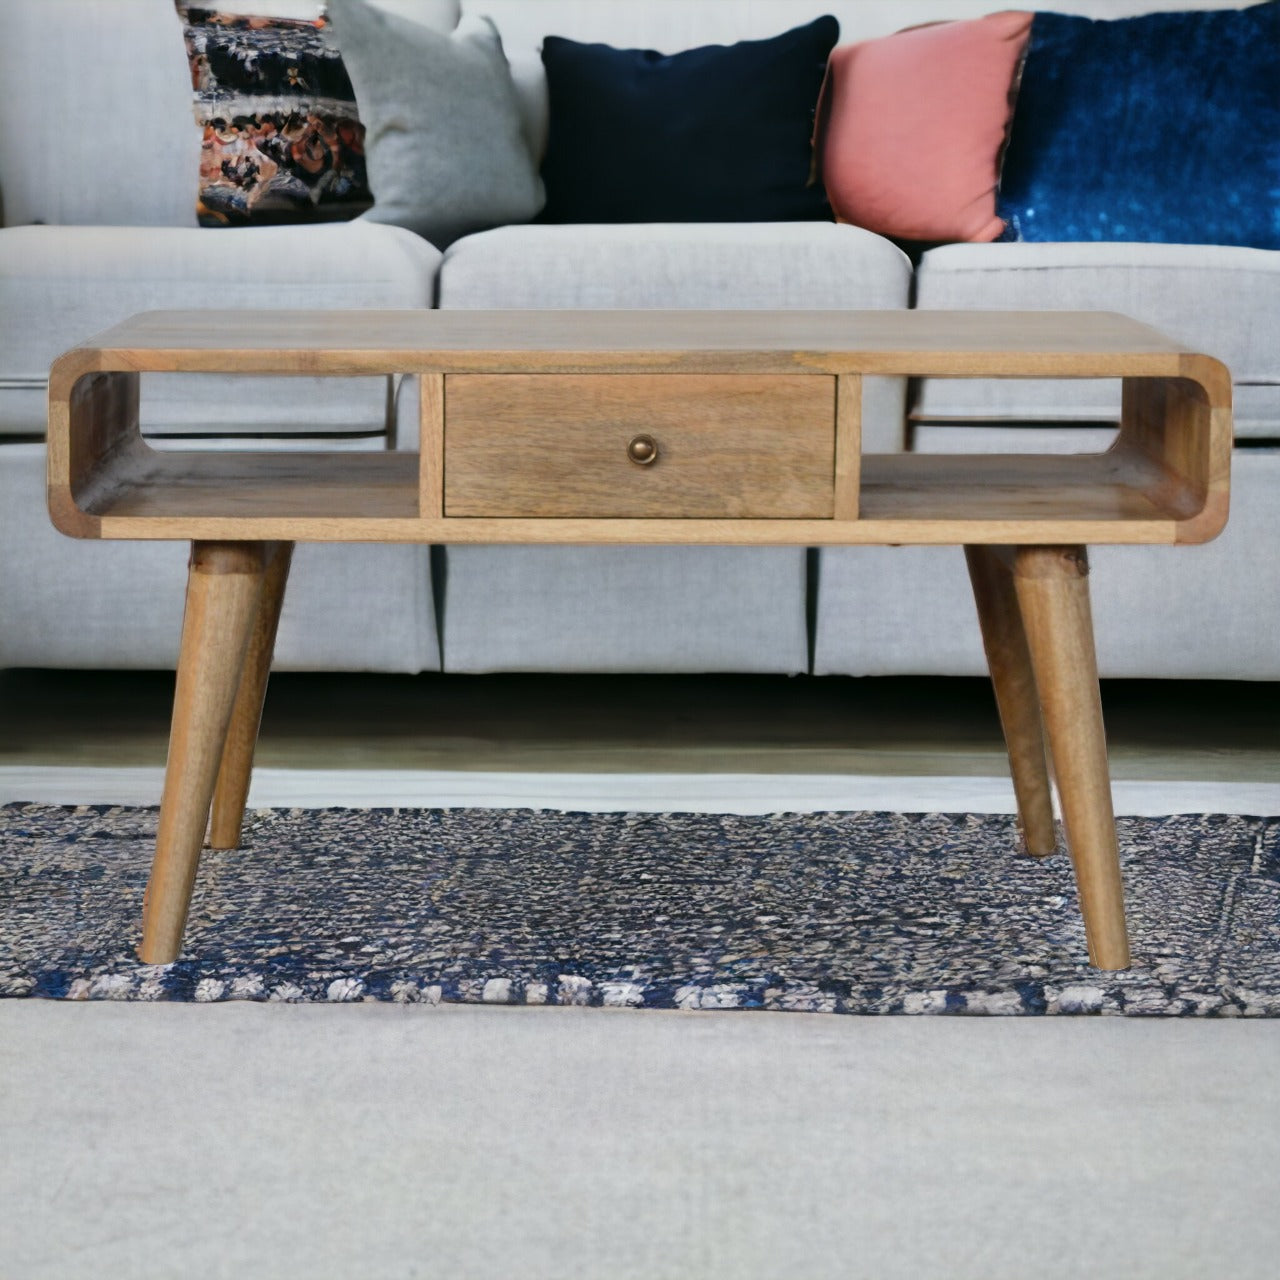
[(444, 146)]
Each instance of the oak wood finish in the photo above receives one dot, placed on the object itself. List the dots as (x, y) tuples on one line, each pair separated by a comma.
[(1184, 426), (957, 343), (373, 497), (1014, 683), (223, 588), (1053, 594), (431, 446), (89, 429), (848, 477), (526, 419), (727, 445), (106, 483), (231, 790)]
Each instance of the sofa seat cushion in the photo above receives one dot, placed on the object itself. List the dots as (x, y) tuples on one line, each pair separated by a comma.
[(696, 266), (60, 285), (1224, 301), (623, 609), (1206, 612), (701, 265), (652, 608), (72, 602)]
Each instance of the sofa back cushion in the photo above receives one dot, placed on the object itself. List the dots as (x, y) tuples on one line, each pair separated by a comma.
[(95, 114), (672, 25), (77, 76)]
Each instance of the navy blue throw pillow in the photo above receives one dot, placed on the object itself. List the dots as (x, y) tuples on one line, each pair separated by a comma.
[(717, 134), (1164, 128)]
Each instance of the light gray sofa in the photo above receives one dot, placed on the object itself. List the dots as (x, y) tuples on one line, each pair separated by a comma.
[(119, 236)]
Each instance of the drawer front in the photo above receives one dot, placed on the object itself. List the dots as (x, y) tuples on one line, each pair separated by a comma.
[(639, 445)]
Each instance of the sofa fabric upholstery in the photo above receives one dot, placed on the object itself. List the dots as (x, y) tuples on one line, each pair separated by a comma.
[(892, 610), (653, 608), (672, 25), (1219, 299), (70, 603), (1012, 437), (83, 143), (624, 609), (96, 119), (76, 145), (705, 265), (630, 608), (60, 285), (788, 265)]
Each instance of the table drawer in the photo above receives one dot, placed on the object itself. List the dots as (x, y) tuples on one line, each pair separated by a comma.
[(637, 445)]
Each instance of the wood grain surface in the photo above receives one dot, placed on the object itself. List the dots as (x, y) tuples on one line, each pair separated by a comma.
[(1052, 585), (1166, 479), (530, 424), (223, 589), (959, 343), (727, 445), (373, 497)]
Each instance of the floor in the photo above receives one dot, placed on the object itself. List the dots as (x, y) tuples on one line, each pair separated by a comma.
[(365, 1140), (724, 743)]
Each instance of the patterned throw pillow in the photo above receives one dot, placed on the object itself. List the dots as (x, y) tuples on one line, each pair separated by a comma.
[(282, 139)]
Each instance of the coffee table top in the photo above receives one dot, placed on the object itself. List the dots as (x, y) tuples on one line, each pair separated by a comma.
[(1048, 343)]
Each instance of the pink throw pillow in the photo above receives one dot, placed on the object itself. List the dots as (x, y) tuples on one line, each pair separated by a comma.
[(911, 127)]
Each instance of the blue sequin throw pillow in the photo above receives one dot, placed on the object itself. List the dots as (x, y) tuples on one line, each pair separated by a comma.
[(1163, 128)]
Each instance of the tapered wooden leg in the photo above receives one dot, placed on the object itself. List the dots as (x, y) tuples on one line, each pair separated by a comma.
[(1053, 592), (223, 587), (232, 788), (1014, 683)]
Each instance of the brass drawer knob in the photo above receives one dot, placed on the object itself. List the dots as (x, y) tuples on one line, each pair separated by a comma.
[(643, 450)]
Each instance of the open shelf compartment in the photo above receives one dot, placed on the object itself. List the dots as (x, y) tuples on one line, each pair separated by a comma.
[(1116, 496)]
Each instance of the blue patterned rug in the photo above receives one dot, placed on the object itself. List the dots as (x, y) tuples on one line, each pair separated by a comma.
[(831, 912)]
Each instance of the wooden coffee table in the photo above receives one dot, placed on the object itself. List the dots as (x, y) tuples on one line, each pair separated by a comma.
[(646, 427)]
